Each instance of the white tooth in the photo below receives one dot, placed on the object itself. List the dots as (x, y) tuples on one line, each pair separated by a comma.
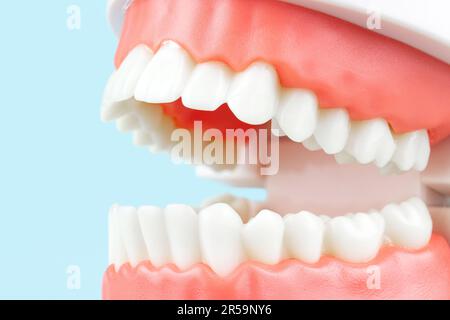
[(253, 95), (311, 144), (423, 152), (117, 251), (161, 138), (390, 169), (303, 236), (333, 128), (150, 115), (297, 114), (166, 75), (127, 123), (276, 129), (220, 238), (263, 237), (407, 149), (356, 238), (109, 89), (114, 110), (344, 158), (240, 205), (129, 73), (208, 86), (370, 140), (130, 231), (408, 224), (153, 228), (182, 231), (141, 138)]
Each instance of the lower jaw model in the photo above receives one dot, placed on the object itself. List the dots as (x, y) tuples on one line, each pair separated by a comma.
[(358, 181)]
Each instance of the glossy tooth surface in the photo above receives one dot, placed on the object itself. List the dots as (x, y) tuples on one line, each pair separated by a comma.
[(117, 250), (153, 228), (297, 114), (114, 110), (355, 238), (128, 122), (276, 129), (207, 87), (303, 236), (423, 152), (263, 237), (131, 235), (253, 95), (408, 224), (333, 128), (370, 139), (407, 150), (165, 76), (129, 73), (311, 144), (182, 231), (220, 238)]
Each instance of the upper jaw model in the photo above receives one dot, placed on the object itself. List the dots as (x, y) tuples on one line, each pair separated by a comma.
[(349, 133)]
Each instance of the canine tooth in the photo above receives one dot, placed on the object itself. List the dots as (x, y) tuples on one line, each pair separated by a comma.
[(208, 86), (297, 114), (423, 152), (408, 224), (117, 251), (220, 238), (129, 73), (311, 144), (150, 115), (182, 231), (276, 129), (407, 150), (355, 238), (303, 236), (369, 140), (131, 235), (166, 75), (333, 128), (127, 123), (253, 94), (141, 138), (153, 228), (263, 237), (114, 110)]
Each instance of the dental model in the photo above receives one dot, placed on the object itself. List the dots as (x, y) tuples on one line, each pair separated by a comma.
[(358, 199)]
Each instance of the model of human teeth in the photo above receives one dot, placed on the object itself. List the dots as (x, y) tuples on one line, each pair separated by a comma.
[(345, 128)]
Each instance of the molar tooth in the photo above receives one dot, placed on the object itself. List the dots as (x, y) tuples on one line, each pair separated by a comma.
[(408, 224), (311, 144), (117, 251), (129, 73), (355, 238), (131, 235), (166, 75), (297, 114), (127, 123), (253, 94), (303, 236), (220, 238), (333, 128), (182, 231), (208, 86), (369, 140), (263, 237), (141, 138), (153, 228), (407, 150)]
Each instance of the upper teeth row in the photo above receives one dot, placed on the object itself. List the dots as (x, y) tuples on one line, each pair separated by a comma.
[(256, 97), (218, 237)]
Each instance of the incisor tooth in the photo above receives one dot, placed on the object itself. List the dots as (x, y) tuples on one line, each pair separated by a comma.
[(253, 95), (220, 238), (276, 129), (333, 128), (166, 75), (297, 114), (117, 251), (409, 224), (182, 231), (263, 237), (207, 87), (303, 236), (153, 228), (355, 238)]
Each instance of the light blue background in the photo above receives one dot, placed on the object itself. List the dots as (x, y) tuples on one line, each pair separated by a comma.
[(61, 167)]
